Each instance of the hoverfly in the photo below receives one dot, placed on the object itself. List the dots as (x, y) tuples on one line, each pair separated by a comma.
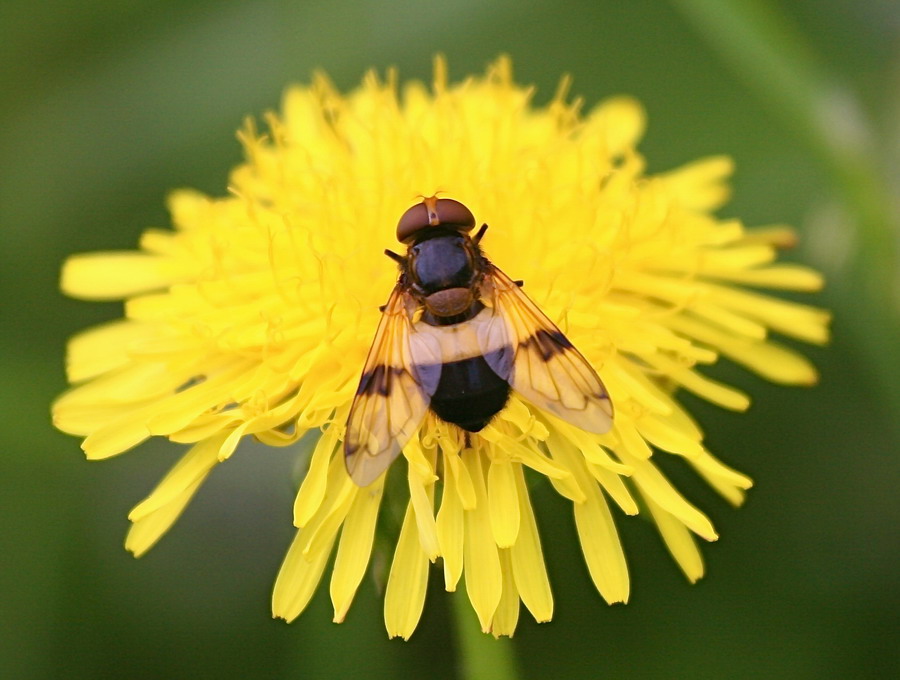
[(456, 336)]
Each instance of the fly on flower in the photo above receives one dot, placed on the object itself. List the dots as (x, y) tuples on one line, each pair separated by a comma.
[(456, 336)]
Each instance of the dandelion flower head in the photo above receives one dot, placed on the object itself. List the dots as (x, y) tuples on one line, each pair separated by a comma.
[(253, 314)]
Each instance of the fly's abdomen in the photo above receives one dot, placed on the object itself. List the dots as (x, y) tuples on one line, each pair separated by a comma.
[(469, 393)]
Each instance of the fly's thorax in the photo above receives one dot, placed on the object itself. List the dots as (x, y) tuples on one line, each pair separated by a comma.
[(444, 267), (440, 260)]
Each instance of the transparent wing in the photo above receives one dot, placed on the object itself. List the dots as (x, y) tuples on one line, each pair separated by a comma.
[(400, 375), (541, 364)]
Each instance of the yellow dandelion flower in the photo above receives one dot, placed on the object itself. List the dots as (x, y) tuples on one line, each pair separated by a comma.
[(254, 314)]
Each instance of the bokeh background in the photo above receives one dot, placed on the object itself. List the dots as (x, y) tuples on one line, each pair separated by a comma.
[(107, 105)]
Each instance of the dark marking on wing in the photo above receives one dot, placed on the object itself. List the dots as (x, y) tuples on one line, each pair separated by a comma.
[(548, 343), (379, 380)]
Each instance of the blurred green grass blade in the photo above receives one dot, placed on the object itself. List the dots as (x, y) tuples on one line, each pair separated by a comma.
[(773, 56)]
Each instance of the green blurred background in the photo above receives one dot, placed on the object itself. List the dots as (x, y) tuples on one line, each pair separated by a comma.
[(106, 106)]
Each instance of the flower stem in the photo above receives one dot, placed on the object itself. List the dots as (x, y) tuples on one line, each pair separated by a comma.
[(481, 657)]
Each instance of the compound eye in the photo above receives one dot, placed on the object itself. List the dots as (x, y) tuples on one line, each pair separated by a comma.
[(452, 213), (411, 222), (433, 212)]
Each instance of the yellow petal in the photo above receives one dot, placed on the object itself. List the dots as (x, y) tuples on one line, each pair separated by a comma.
[(527, 559), (589, 446), (770, 360), (312, 491), (325, 524), (680, 420), (623, 120), (519, 415), (803, 322), (355, 547), (615, 487), (596, 530), (739, 257), (701, 185), (662, 436), (730, 483), (101, 349), (297, 579), (503, 502), (523, 454), (558, 475), (568, 486), (484, 581), (116, 275), (507, 614), (778, 235), (133, 426), (450, 528), (422, 500), (407, 582), (729, 321), (601, 547), (145, 532), (779, 276), (116, 394), (709, 389), (636, 384), (678, 540), (654, 484), (194, 465), (180, 409), (632, 442), (207, 426), (417, 459), (463, 482)]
